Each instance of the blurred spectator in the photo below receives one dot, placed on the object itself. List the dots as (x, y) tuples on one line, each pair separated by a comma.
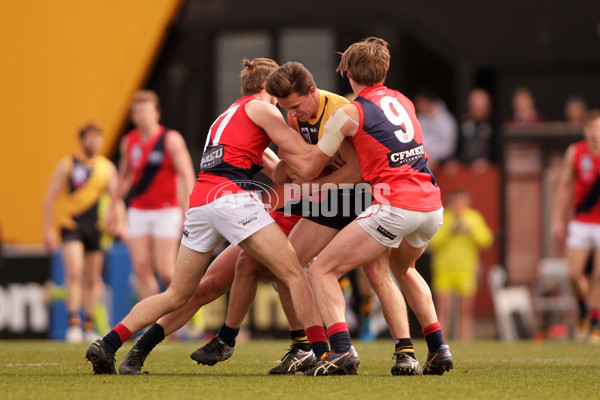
[(439, 127), (523, 105), (476, 132), (455, 259), (575, 109)]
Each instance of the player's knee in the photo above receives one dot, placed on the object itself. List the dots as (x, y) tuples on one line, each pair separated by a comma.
[(208, 291)]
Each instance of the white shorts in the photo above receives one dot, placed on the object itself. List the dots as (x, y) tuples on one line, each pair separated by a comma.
[(583, 235), (389, 225), (233, 217), (160, 223)]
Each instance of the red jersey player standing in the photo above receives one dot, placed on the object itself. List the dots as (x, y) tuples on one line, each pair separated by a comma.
[(406, 211), (580, 178), (156, 170)]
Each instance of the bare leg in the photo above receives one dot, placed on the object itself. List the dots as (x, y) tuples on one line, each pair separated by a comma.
[(92, 275), (73, 256), (141, 259), (215, 283), (467, 305), (165, 254), (392, 302), (271, 247), (351, 247), (188, 272), (243, 290)]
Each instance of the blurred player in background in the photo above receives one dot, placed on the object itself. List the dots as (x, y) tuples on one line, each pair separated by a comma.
[(78, 195), (578, 199), (156, 170)]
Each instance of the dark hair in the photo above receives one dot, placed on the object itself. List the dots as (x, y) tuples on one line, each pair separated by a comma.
[(89, 127), (255, 74), (291, 77)]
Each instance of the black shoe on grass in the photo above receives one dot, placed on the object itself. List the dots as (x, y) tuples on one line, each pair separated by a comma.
[(102, 361), (212, 352)]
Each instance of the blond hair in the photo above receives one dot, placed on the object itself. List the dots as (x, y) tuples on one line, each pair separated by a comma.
[(143, 96), (366, 62), (255, 73)]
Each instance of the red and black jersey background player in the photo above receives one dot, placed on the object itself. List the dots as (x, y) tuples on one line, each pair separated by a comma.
[(587, 184), (154, 182)]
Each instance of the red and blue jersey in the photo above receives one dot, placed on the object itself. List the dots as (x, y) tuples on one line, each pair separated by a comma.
[(232, 155), (587, 184), (389, 146), (155, 178)]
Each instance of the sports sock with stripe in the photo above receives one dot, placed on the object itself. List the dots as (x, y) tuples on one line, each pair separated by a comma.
[(299, 339), (404, 345), (433, 336), (318, 340), (115, 338), (339, 337)]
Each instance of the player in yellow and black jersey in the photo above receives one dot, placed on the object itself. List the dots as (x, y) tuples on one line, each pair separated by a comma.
[(75, 206)]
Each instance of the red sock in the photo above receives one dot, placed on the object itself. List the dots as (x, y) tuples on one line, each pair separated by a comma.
[(123, 332), (337, 327), (432, 328), (316, 333)]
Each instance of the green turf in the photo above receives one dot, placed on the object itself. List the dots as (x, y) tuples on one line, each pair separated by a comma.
[(484, 370)]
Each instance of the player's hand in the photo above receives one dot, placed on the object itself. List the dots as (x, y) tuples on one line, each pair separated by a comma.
[(50, 240), (336, 162)]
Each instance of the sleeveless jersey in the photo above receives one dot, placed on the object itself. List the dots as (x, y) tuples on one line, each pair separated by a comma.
[(87, 183), (312, 130), (232, 155), (155, 178), (587, 184), (389, 146)]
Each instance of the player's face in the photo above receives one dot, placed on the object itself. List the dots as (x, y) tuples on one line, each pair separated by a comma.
[(144, 114), (91, 143), (301, 107), (591, 130)]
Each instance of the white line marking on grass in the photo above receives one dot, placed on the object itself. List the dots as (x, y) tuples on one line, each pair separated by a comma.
[(42, 365)]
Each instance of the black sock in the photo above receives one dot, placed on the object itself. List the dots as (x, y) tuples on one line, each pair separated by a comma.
[(340, 341), (320, 348), (112, 342), (404, 345), (228, 334), (434, 340), (153, 336), (583, 308), (299, 340)]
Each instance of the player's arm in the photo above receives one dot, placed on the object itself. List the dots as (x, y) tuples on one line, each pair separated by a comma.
[(564, 188), (56, 185), (268, 117), (182, 162), (125, 172), (270, 161), (115, 219), (342, 123)]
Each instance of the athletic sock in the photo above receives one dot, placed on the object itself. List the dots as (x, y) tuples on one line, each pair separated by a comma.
[(228, 335), (339, 337), (153, 336), (318, 340), (115, 338), (594, 315), (583, 307), (88, 323), (299, 339), (73, 319), (434, 337), (404, 345)]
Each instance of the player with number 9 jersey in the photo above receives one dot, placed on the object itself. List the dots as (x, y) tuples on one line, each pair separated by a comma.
[(390, 150)]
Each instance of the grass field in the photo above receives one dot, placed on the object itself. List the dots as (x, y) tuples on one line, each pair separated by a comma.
[(484, 370)]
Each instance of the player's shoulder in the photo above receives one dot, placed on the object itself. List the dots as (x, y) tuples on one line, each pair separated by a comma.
[(335, 100)]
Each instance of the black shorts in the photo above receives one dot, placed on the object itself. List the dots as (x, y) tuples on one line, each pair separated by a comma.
[(90, 237), (336, 209)]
